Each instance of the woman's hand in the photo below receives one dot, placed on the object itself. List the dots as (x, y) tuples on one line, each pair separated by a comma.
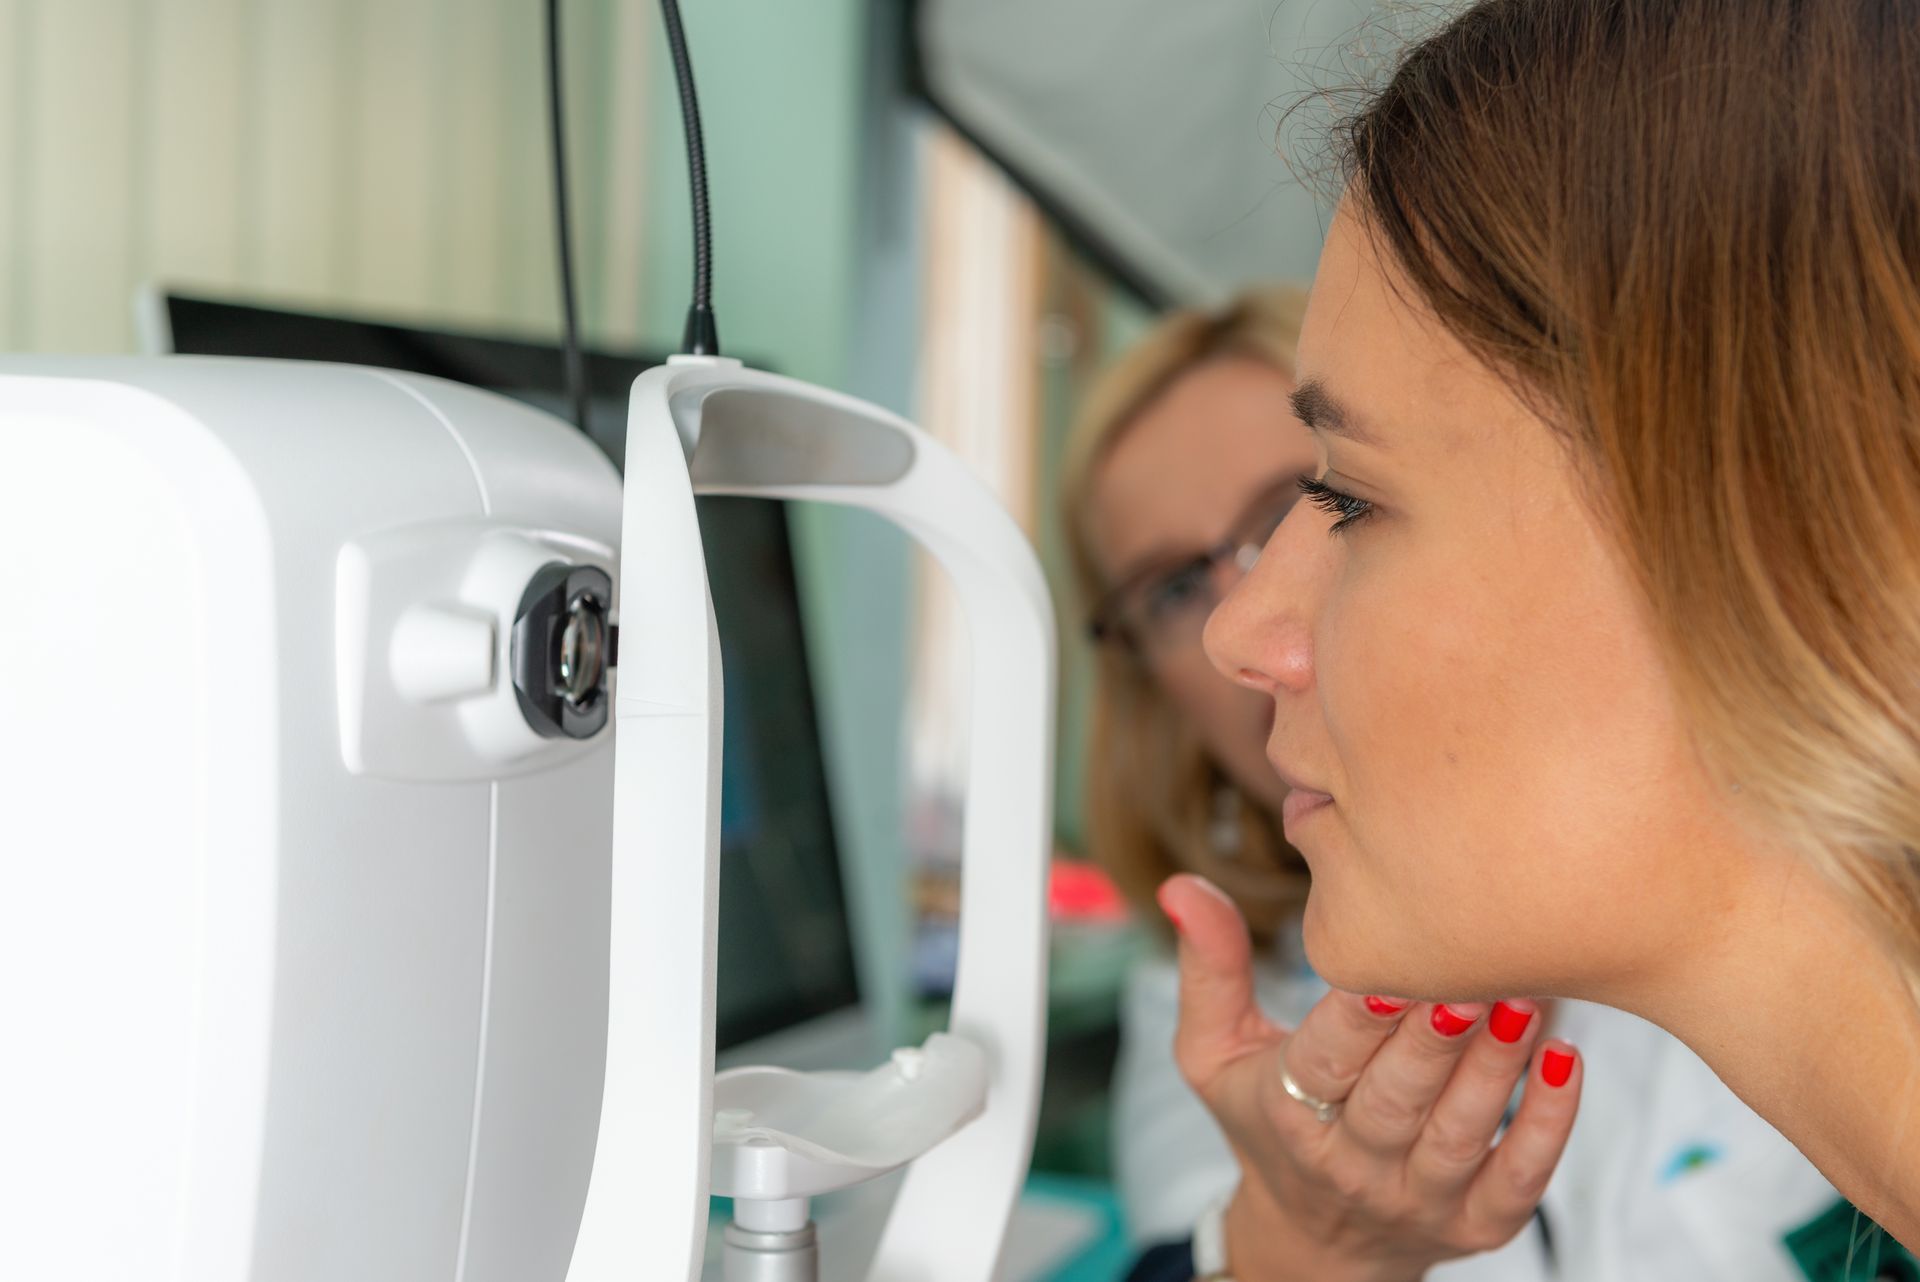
[(1408, 1173)]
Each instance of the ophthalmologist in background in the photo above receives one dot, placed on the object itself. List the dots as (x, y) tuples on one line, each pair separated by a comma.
[(1184, 459), (1595, 661)]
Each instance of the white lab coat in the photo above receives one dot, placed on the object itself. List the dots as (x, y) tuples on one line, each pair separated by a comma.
[(1667, 1174)]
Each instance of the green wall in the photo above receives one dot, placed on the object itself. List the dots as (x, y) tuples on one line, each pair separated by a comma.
[(815, 276)]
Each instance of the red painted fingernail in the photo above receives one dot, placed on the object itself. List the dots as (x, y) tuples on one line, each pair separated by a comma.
[(1385, 1006), (1451, 1023), (1509, 1023), (1556, 1067)]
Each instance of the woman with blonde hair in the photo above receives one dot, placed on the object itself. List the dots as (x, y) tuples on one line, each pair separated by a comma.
[(1163, 794), (1185, 458), (1595, 658)]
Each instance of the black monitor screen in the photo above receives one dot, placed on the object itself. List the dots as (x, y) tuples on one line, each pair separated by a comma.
[(786, 952)]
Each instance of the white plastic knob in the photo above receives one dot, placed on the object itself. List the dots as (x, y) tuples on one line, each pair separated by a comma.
[(440, 654)]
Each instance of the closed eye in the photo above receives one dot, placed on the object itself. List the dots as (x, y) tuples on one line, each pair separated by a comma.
[(1345, 508)]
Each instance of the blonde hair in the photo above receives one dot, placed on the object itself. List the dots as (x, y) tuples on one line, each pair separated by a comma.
[(1154, 794), (1691, 236)]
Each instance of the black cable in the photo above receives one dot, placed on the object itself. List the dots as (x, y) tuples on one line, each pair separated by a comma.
[(562, 228), (701, 337)]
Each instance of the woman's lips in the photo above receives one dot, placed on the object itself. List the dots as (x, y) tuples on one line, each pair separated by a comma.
[(1298, 804)]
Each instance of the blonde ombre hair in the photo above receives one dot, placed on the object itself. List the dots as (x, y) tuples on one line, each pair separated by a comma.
[(1154, 794), (1690, 235)]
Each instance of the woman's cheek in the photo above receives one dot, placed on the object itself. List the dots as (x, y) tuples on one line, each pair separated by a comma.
[(1405, 704)]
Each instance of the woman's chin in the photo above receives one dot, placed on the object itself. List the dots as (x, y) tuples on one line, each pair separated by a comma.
[(1341, 951), (1357, 955)]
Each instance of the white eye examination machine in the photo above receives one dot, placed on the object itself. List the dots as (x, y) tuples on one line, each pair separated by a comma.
[(359, 787)]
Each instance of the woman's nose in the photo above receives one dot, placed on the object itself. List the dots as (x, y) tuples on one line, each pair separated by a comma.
[(1259, 635)]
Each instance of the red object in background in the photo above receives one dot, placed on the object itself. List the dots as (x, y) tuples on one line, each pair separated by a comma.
[(1079, 891)]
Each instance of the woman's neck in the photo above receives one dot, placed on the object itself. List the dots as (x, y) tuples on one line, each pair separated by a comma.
[(1799, 1010)]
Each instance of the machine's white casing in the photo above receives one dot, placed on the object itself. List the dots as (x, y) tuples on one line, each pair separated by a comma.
[(746, 432), (305, 938), (303, 935)]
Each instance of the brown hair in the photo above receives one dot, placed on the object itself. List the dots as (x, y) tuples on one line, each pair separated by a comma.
[(1153, 793), (1690, 235)]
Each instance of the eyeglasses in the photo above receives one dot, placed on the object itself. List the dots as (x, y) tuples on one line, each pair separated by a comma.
[(1164, 608)]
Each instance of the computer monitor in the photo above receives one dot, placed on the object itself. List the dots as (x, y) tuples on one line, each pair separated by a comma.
[(787, 990)]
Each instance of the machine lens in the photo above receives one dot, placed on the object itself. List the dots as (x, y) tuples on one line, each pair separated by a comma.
[(583, 650)]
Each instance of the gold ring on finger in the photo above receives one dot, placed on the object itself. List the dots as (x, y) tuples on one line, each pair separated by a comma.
[(1323, 1110)]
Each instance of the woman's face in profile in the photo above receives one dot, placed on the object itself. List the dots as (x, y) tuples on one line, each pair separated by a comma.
[(1492, 783)]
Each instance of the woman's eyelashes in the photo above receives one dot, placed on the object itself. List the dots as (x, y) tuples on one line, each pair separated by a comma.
[(1346, 509)]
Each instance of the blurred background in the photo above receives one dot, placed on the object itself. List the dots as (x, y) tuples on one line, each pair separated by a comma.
[(956, 210)]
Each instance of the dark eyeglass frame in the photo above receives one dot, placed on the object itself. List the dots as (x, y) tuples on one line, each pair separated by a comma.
[(1251, 531)]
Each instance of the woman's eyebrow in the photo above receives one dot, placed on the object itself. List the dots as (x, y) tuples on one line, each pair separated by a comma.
[(1320, 410)]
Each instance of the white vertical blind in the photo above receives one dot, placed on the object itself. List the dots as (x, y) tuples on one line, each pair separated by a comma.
[(385, 156), (16, 87), (617, 247), (390, 97), (979, 395), (191, 136), (78, 135), (296, 182)]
